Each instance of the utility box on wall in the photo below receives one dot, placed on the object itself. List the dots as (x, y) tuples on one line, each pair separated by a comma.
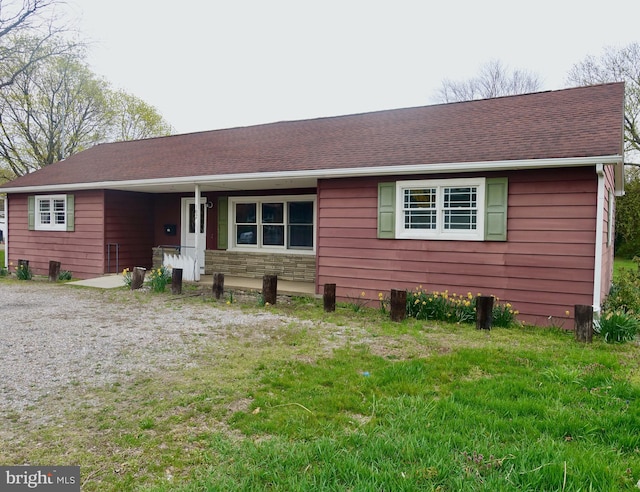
[(170, 229)]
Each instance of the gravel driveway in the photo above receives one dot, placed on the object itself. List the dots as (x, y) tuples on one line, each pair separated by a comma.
[(54, 336)]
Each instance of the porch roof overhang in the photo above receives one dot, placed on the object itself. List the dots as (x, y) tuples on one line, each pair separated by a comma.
[(309, 178)]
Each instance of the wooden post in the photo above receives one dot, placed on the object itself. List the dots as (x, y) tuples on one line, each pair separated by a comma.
[(329, 298), (176, 281), (398, 307), (218, 285), (484, 312), (584, 323), (270, 288), (137, 277), (54, 270)]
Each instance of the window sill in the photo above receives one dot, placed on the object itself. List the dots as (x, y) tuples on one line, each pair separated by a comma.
[(278, 251)]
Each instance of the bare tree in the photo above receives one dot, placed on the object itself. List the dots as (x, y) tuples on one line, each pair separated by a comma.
[(616, 65), (133, 119), (59, 107), (494, 80), (51, 111), (30, 31)]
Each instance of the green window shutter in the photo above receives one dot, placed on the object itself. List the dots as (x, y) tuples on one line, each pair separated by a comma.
[(495, 220), (223, 222), (71, 213), (386, 210), (31, 212)]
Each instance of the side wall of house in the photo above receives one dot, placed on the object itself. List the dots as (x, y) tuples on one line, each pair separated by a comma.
[(608, 233), (80, 251), (545, 267), (129, 220)]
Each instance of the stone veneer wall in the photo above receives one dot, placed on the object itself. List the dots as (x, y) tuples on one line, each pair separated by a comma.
[(299, 268)]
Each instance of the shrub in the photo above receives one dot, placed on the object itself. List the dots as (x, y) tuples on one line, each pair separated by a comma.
[(625, 292), (23, 272), (65, 275), (159, 278), (617, 326), (4, 271), (357, 303), (503, 315), (454, 308), (126, 276)]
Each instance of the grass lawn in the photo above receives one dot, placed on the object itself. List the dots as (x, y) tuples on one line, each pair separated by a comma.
[(620, 264), (351, 401)]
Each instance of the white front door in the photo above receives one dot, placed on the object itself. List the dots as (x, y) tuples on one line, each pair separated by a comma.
[(189, 229)]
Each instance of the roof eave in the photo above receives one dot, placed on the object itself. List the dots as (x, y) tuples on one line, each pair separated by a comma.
[(295, 178)]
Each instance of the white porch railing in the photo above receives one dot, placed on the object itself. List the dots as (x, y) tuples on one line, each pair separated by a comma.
[(188, 264)]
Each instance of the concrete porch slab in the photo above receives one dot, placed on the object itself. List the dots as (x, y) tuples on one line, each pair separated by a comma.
[(287, 287)]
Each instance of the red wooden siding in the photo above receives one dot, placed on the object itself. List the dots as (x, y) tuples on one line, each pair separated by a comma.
[(168, 209), (129, 223), (608, 244), (80, 251), (544, 269)]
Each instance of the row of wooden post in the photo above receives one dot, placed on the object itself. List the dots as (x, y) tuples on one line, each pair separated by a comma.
[(484, 311), (269, 284), (397, 301), (54, 269)]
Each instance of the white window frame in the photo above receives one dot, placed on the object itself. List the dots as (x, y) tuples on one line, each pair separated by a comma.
[(259, 200), (52, 225), (439, 233)]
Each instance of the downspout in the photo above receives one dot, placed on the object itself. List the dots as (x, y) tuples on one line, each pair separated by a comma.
[(196, 242), (597, 268)]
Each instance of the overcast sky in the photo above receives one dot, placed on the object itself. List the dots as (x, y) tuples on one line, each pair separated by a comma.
[(209, 64)]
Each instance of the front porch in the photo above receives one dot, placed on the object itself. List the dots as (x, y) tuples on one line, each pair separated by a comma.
[(285, 287), (296, 268)]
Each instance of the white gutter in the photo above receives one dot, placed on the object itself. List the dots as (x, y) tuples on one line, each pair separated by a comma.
[(597, 268), (222, 179)]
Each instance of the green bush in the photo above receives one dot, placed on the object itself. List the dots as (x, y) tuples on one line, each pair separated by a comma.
[(23, 272), (625, 292), (617, 326), (65, 275), (127, 277), (159, 278), (454, 308)]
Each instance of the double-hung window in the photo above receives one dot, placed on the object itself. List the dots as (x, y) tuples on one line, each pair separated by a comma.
[(440, 209), (285, 223), (51, 213)]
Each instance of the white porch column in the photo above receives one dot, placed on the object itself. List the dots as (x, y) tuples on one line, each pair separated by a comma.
[(196, 245)]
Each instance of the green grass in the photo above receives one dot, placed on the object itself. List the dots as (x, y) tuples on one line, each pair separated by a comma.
[(2, 257), (350, 401), (621, 263)]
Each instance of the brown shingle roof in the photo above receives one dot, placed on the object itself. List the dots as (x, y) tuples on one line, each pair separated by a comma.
[(578, 122)]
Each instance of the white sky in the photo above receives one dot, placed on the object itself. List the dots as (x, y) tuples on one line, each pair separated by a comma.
[(209, 64)]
